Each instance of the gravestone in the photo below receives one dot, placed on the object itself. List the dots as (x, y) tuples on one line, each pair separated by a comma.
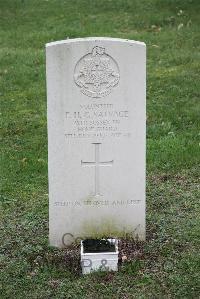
[(96, 138)]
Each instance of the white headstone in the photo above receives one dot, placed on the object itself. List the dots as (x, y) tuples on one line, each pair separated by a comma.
[(96, 138)]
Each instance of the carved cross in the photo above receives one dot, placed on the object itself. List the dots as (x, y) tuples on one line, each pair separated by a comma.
[(97, 164)]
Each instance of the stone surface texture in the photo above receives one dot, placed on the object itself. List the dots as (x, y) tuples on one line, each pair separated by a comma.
[(96, 138)]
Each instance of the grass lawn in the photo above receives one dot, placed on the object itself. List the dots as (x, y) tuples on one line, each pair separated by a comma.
[(167, 264)]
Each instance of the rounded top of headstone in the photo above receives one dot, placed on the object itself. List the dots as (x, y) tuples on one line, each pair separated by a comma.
[(95, 39)]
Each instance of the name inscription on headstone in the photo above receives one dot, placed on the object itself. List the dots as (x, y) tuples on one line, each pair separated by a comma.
[(97, 120)]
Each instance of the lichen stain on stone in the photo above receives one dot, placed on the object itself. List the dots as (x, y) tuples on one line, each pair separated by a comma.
[(104, 228)]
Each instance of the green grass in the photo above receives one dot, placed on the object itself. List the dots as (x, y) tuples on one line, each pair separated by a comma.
[(168, 266)]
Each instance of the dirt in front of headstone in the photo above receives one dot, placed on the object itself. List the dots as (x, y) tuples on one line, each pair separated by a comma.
[(72, 258), (130, 249), (69, 258)]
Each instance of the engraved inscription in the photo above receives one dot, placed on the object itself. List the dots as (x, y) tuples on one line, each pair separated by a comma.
[(97, 164), (103, 120), (97, 202), (96, 73)]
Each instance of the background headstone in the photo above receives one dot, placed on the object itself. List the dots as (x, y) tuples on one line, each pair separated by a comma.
[(96, 138)]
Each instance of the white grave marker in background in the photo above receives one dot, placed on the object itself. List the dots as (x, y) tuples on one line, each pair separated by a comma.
[(96, 138)]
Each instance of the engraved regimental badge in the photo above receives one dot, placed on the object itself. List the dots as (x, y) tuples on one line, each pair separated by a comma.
[(96, 73)]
